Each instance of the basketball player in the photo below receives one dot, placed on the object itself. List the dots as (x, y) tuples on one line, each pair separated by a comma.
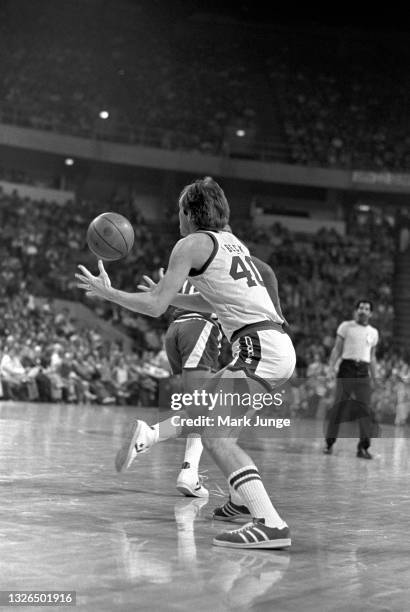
[(192, 344), (221, 269), (355, 344)]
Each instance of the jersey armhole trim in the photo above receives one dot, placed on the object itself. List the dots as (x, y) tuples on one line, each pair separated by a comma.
[(210, 259)]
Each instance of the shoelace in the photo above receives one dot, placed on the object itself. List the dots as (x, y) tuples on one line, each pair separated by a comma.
[(202, 477), (218, 491), (244, 528)]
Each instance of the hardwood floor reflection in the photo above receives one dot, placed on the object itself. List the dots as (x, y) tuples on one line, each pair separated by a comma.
[(131, 542)]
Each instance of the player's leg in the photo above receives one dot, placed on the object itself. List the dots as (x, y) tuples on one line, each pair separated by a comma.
[(342, 394), (188, 480), (192, 347), (140, 436), (365, 417), (193, 344), (273, 357), (268, 530), (234, 508)]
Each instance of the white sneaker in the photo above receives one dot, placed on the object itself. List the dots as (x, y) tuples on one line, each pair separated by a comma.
[(139, 439), (189, 483)]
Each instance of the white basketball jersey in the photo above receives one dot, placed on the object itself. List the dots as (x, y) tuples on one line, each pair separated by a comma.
[(230, 281)]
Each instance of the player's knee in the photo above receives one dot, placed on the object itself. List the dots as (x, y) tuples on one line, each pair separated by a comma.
[(215, 442), (210, 443)]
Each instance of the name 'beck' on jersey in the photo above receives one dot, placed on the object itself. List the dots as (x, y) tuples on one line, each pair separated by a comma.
[(233, 285)]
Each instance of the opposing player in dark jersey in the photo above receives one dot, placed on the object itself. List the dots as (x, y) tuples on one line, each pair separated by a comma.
[(221, 269), (192, 344)]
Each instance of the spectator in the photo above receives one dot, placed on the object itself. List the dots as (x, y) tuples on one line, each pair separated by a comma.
[(16, 381)]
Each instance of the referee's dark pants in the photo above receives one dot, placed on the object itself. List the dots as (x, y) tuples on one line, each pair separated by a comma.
[(352, 402)]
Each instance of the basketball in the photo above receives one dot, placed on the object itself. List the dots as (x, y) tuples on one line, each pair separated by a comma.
[(110, 236)]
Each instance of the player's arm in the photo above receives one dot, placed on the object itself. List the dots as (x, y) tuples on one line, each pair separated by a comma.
[(270, 282), (190, 252), (336, 353), (191, 301), (194, 301)]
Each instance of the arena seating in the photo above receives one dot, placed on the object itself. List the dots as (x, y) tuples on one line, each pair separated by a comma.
[(320, 278), (281, 86), (290, 85)]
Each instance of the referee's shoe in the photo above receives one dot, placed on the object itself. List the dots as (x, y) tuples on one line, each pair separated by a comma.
[(363, 453)]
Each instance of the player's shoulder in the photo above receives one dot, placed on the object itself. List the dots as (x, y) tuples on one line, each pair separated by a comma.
[(196, 248), (193, 242)]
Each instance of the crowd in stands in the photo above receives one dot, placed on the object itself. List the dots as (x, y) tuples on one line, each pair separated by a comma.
[(183, 87), (134, 68), (21, 177), (40, 251), (44, 355), (191, 85), (321, 278), (50, 69), (341, 113), (312, 395)]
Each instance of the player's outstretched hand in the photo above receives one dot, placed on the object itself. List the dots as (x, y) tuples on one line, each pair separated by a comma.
[(94, 286), (150, 286)]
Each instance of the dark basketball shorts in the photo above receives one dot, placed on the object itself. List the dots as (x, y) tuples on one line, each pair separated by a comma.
[(193, 344)]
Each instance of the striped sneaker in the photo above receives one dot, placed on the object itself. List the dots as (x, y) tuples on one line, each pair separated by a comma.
[(139, 439), (231, 512), (254, 535)]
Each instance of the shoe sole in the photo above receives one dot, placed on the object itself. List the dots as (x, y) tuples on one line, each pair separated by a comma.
[(272, 544), (190, 492), (123, 457)]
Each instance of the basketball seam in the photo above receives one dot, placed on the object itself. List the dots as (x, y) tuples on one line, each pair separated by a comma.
[(107, 243), (118, 229)]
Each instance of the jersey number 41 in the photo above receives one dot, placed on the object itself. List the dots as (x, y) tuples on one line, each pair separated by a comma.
[(245, 268)]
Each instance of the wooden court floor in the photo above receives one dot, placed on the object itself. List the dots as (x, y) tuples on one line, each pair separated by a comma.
[(131, 542)]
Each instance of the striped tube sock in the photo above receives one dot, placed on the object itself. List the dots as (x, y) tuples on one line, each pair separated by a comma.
[(193, 450), (248, 484), (235, 497)]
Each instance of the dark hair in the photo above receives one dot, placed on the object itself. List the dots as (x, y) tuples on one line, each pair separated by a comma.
[(364, 301), (206, 202)]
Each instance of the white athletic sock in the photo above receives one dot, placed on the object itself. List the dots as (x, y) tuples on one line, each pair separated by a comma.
[(247, 482), (166, 430), (193, 450)]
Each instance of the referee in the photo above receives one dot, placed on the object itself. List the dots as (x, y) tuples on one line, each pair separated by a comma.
[(355, 344)]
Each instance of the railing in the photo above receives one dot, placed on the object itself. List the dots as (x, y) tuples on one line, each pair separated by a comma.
[(120, 132)]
